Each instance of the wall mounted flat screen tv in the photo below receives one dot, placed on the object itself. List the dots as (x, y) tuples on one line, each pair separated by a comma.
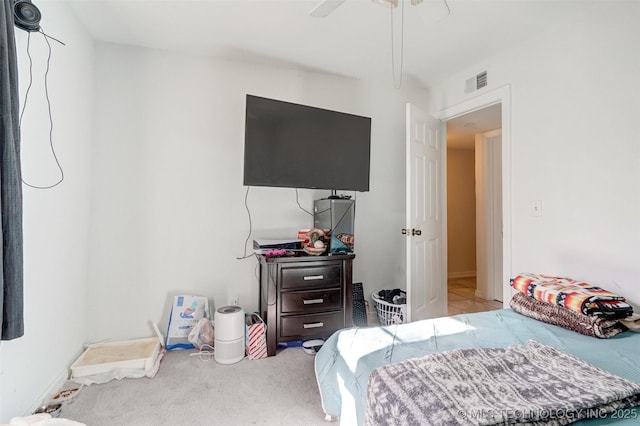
[(299, 146)]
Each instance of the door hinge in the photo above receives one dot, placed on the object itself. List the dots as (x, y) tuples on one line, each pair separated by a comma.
[(413, 231)]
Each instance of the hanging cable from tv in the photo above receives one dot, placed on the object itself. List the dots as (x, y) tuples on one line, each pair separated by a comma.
[(27, 17)]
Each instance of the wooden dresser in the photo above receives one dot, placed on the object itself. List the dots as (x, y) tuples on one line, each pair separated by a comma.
[(306, 297)]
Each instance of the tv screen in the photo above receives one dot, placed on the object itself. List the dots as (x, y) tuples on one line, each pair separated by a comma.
[(298, 146)]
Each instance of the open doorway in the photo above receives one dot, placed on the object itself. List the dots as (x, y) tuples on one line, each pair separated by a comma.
[(474, 206)]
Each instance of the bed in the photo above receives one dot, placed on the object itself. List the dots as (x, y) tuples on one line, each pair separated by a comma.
[(346, 360)]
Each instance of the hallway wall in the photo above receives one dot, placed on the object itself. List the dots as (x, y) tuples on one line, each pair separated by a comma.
[(461, 217)]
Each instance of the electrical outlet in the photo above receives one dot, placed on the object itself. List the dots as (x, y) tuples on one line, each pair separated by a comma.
[(536, 208), (234, 300)]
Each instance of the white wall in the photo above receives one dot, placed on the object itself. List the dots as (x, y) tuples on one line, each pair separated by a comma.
[(574, 145), (56, 221), (461, 213), (168, 212)]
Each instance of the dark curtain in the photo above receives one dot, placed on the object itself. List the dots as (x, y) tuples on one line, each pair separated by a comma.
[(11, 296)]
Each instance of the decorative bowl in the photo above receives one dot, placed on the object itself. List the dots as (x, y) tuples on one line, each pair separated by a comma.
[(52, 409), (313, 251)]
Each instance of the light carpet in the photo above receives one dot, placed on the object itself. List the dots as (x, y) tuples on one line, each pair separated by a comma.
[(279, 390)]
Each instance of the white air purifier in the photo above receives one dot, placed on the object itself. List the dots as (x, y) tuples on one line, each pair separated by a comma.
[(229, 334)]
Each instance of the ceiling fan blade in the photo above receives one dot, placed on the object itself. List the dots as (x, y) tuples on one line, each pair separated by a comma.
[(325, 7)]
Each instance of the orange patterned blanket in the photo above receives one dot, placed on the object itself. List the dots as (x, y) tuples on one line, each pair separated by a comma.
[(577, 296)]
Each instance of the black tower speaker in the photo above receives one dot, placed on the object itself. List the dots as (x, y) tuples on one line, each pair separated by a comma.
[(26, 15)]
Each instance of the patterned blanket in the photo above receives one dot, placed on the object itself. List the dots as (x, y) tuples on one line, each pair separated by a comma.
[(551, 314), (577, 296), (532, 383)]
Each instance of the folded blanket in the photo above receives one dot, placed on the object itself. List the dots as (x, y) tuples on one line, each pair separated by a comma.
[(577, 296), (632, 322), (551, 314), (531, 383)]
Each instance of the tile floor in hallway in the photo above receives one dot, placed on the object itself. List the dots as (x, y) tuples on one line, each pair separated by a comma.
[(462, 299)]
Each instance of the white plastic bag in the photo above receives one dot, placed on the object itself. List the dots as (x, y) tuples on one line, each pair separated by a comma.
[(202, 334)]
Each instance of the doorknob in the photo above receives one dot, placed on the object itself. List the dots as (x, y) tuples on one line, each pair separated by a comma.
[(405, 231), (416, 232)]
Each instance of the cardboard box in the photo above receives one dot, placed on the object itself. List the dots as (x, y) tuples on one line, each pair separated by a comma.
[(186, 311)]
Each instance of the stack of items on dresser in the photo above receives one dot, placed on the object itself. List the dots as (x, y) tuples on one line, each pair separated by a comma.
[(574, 305)]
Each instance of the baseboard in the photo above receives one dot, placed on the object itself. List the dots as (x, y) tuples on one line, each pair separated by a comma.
[(463, 274), (372, 314), (55, 386), (482, 294)]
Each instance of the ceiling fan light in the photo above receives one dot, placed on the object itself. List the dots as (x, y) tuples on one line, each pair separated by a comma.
[(387, 3)]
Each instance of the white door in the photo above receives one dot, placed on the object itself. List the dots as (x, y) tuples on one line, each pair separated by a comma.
[(489, 215), (425, 217)]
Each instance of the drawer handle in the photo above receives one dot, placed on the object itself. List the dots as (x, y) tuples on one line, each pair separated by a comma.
[(313, 325), (313, 277), (312, 301)]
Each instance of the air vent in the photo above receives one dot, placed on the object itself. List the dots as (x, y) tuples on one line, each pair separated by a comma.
[(476, 82), (481, 80)]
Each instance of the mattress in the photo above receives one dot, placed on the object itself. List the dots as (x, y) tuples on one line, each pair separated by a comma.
[(348, 357)]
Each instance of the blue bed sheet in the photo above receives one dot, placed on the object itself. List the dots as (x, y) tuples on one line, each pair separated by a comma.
[(348, 357)]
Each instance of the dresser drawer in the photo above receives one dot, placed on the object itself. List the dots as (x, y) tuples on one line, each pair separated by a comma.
[(311, 325), (311, 301), (306, 276)]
